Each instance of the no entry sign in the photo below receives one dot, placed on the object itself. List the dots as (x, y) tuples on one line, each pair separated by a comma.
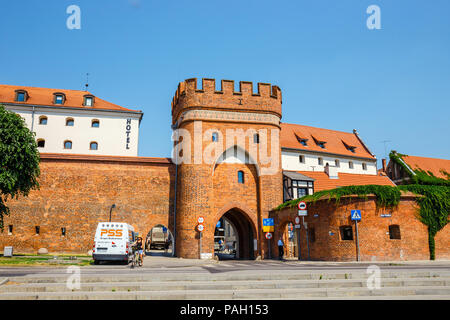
[(200, 220), (268, 235), (302, 205)]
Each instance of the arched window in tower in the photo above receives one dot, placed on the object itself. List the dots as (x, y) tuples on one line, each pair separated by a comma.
[(215, 137), (241, 177)]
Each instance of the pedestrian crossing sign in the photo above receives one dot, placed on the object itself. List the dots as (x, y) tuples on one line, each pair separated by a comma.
[(356, 215)]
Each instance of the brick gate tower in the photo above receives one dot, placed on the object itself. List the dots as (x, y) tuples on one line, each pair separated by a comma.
[(228, 156)]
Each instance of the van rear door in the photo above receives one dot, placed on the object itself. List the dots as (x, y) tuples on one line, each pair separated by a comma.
[(111, 239)]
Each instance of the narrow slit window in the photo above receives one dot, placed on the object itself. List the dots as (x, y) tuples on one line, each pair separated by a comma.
[(37, 229), (241, 177)]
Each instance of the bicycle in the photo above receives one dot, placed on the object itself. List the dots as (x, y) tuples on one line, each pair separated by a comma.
[(136, 259)]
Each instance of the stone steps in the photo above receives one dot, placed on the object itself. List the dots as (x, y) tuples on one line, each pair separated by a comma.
[(193, 277), (209, 286), (221, 285), (233, 294)]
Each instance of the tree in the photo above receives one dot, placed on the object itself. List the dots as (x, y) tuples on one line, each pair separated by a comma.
[(19, 160)]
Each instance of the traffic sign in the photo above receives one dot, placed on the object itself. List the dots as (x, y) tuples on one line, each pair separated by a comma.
[(200, 219), (303, 212), (200, 227), (297, 220), (268, 235), (302, 205), (268, 225), (356, 215), (297, 226)]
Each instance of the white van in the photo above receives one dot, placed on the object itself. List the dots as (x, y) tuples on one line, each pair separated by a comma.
[(113, 242)]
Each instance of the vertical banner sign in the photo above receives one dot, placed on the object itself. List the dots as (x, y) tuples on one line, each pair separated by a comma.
[(128, 131), (356, 216)]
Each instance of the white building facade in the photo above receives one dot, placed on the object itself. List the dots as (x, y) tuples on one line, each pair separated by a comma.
[(315, 159), (77, 123)]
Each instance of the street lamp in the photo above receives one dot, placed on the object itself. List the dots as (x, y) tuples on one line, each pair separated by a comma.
[(110, 210)]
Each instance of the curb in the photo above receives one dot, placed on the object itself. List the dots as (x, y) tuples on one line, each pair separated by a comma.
[(3, 281)]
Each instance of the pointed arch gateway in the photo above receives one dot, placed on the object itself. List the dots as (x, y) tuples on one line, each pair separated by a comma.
[(243, 239)]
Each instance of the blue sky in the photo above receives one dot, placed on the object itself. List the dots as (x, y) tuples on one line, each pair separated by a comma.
[(390, 84)]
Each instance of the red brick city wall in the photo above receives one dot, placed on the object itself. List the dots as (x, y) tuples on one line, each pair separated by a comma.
[(375, 243), (77, 194)]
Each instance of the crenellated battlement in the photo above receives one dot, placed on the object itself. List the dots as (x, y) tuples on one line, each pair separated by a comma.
[(267, 99)]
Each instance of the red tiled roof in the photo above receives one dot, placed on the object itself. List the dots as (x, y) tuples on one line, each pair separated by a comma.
[(428, 164), (45, 97), (335, 140), (323, 182)]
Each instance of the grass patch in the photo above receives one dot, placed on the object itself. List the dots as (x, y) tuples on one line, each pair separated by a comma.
[(42, 261)]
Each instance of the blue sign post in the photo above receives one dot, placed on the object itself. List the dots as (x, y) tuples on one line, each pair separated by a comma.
[(356, 216)]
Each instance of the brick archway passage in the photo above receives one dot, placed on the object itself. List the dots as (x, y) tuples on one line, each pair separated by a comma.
[(245, 232)]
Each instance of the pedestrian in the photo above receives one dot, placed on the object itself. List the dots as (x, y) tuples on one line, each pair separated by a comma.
[(280, 249)]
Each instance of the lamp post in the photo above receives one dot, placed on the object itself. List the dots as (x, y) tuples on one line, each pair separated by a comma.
[(110, 211)]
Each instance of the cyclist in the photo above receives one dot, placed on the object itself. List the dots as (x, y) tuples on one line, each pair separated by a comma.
[(138, 244)]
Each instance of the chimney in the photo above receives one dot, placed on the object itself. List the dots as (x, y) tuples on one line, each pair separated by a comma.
[(331, 172), (383, 164)]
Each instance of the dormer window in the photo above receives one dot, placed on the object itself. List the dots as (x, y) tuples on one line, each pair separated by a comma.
[(21, 95), (349, 147), (59, 98), (88, 100), (302, 141), (320, 143)]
